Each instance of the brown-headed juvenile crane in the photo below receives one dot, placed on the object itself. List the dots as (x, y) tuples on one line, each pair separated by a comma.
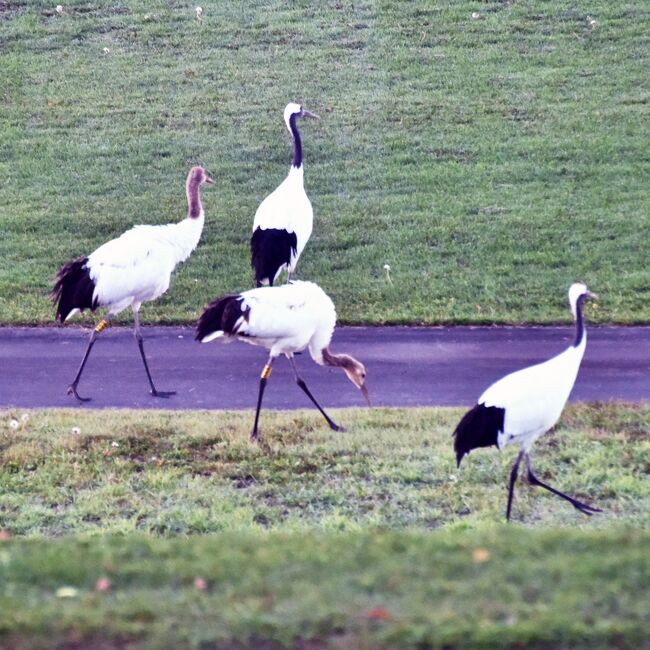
[(522, 406), (285, 319), (283, 222), (129, 270)]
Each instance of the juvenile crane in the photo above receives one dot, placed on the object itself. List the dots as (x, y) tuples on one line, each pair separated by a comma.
[(129, 270), (525, 404), (285, 319), (283, 222)]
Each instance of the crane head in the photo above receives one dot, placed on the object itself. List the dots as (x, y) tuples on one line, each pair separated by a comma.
[(198, 176), (299, 111), (356, 373), (578, 291)]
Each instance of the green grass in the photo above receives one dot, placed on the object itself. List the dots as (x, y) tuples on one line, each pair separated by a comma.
[(496, 588), (314, 539), (489, 161), (173, 473)]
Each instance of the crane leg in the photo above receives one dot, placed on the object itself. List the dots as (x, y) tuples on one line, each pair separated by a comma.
[(513, 477), (301, 382), (266, 373), (583, 507), (72, 388), (139, 339)]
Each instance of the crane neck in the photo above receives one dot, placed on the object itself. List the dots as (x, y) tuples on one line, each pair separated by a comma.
[(344, 361), (297, 144), (194, 205), (581, 332)]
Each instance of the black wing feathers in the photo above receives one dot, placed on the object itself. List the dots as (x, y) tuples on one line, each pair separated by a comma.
[(479, 427), (73, 289), (221, 314), (271, 248)]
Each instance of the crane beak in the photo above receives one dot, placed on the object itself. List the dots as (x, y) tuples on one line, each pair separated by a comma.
[(209, 180), (309, 114), (364, 392), (592, 295)]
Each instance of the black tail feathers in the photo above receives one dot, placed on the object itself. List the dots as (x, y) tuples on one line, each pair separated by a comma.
[(479, 427), (73, 289), (222, 314), (271, 249)]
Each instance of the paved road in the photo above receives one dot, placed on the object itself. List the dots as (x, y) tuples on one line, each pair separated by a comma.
[(407, 366)]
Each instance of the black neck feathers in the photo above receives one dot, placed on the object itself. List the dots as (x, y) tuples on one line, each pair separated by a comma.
[(297, 145), (580, 324)]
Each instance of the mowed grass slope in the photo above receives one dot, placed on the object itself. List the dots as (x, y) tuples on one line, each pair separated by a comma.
[(489, 160), (171, 529)]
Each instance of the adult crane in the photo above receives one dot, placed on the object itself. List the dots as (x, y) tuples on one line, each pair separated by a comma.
[(523, 405), (283, 222)]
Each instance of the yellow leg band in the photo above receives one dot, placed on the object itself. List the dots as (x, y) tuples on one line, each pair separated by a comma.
[(101, 326), (266, 373)]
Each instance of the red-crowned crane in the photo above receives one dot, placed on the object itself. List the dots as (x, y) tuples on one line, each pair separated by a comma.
[(285, 319), (520, 407), (283, 221), (129, 270)]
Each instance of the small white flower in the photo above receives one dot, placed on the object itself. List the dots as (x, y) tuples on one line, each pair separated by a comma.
[(76, 431), (592, 23), (14, 424), (59, 9), (199, 12), (387, 269), (475, 15), (106, 51), (66, 592), (452, 478), (24, 417), (147, 17), (115, 444)]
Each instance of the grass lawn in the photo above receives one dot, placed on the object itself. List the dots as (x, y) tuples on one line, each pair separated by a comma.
[(125, 529), (498, 587), (490, 152)]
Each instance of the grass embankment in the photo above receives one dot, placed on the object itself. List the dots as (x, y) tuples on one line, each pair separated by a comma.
[(490, 160), (503, 587), (370, 538)]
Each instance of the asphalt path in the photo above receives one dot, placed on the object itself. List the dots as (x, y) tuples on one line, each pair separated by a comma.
[(407, 366)]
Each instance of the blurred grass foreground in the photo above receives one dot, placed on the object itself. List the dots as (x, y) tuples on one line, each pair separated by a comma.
[(123, 529)]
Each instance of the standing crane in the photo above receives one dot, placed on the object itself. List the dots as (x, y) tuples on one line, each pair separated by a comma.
[(285, 319), (523, 405), (283, 222), (129, 270)]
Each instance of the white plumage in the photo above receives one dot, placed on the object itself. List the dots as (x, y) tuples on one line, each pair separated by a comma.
[(525, 404), (534, 397), (287, 208), (131, 269), (137, 266), (285, 319), (284, 220)]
